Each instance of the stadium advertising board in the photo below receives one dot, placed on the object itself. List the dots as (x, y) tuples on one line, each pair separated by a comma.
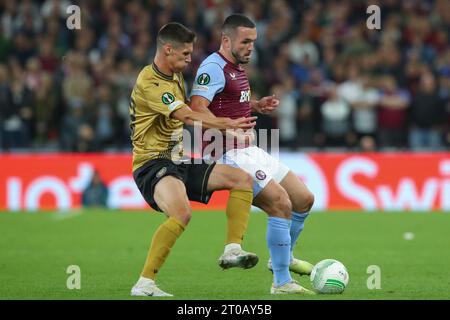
[(339, 181)]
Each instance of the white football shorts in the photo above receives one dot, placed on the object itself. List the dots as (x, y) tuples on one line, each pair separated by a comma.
[(258, 163)]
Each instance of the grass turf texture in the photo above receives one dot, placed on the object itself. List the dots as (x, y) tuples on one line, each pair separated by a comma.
[(110, 248)]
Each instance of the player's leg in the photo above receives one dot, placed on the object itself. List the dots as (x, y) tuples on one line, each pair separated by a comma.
[(238, 210), (170, 196), (274, 200), (302, 201)]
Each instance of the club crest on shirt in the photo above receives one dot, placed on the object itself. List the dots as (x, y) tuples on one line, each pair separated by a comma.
[(260, 175), (232, 75), (203, 79)]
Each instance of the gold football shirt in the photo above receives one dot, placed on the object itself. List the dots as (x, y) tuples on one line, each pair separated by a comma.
[(154, 134)]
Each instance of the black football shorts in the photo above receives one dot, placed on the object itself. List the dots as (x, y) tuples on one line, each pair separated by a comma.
[(194, 176)]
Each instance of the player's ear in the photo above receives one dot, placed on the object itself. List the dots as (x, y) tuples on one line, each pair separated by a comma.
[(226, 40), (167, 48)]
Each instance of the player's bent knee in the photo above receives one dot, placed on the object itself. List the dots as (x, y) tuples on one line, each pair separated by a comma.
[(306, 204), (184, 215), (181, 212), (281, 207), (309, 202)]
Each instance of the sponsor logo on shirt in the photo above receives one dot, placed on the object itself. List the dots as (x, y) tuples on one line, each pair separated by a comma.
[(245, 96)]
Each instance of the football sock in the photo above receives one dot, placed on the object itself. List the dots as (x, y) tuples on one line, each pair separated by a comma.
[(298, 222), (238, 211), (163, 240), (279, 243)]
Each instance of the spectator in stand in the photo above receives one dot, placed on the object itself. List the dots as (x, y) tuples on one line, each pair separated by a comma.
[(46, 99), (390, 63), (33, 74), (77, 83), (363, 99), (286, 112), (392, 113), (314, 94), (105, 116), (7, 108), (47, 56), (336, 125), (85, 139), (22, 48), (20, 124), (72, 122), (54, 8), (96, 193), (299, 39), (427, 116), (301, 48), (123, 83)]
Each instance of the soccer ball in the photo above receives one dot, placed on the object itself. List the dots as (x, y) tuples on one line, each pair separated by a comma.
[(329, 276)]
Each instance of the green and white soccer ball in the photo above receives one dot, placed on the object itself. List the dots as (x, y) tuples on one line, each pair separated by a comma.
[(329, 276)]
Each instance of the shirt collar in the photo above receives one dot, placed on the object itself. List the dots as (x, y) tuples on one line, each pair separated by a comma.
[(161, 74)]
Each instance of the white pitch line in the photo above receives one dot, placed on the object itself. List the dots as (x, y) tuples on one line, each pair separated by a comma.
[(64, 215)]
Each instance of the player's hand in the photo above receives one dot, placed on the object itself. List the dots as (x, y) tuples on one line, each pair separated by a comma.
[(242, 123), (268, 104)]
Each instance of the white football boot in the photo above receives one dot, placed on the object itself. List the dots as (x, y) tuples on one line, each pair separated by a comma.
[(234, 256), (148, 288)]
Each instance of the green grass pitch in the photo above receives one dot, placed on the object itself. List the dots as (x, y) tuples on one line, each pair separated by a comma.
[(110, 248)]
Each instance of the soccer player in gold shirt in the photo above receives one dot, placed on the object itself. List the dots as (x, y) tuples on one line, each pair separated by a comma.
[(158, 110)]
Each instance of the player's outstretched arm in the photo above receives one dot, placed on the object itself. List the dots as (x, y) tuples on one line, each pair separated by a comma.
[(200, 104), (188, 116)]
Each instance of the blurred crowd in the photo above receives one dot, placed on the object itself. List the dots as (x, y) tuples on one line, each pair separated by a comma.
[(340, 84)]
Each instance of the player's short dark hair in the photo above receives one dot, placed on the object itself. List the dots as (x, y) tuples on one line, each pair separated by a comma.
[(235, 21), (174, 33)]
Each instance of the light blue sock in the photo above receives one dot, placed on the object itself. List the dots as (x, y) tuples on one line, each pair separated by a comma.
[(298, 222), (279, 243)]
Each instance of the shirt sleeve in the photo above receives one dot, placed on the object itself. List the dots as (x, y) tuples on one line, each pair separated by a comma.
[(163, 101), (209, 81)]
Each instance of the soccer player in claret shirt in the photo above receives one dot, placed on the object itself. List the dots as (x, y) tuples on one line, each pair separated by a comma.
[(221, 88), (158, 110)]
